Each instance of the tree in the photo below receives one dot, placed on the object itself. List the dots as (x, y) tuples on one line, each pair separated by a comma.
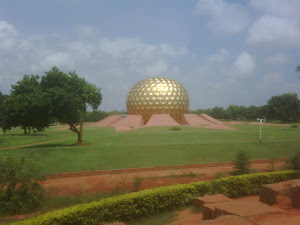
[(6, 122), (294, 162), (284, 107), (218, 113), (26, 105), (241, 163), (236, 112), (68, 96), (20, 188)]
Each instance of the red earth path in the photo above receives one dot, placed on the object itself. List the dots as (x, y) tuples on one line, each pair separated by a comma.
[(143, 178)]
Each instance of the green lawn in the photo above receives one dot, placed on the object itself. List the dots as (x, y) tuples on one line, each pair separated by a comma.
[(106, 149)]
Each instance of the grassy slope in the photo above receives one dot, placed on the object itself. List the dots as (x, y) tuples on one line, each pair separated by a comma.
[(153, 146)]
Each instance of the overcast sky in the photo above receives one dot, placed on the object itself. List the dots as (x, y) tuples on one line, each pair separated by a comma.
[(223, 52)]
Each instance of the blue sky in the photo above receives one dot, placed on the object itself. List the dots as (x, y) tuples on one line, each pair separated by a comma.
[(223, 52)]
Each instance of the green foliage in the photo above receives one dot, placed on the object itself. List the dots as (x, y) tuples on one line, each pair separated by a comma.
[(95, 116), (56, 202), (294, 126), (294, 162), (27, 106), (68, 96), (201, 111), (140, 204), (175, 128), (285, 108), (235, 112), (20, 190), (241, 163), (219, 113), (6, 122)]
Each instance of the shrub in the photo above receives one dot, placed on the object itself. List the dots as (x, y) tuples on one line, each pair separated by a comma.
[(294, 162), (139, 204), (175, 128), (20, 190), (294, 126), (137, 182), (241, 163)]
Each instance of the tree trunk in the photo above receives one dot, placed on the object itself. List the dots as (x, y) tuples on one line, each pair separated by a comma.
[(78, 132), (25, 130)]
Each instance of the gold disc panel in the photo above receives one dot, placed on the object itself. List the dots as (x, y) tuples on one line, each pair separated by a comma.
[(158, 96)]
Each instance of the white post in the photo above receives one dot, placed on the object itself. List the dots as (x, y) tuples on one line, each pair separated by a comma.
[(260, 121)]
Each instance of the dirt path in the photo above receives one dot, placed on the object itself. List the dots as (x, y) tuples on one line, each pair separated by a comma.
[(40, 143), (142, 178)]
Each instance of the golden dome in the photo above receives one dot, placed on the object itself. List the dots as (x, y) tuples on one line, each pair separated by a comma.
[(158, 96)]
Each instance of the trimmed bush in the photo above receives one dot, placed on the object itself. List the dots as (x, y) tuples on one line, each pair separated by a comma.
[(139, 204)]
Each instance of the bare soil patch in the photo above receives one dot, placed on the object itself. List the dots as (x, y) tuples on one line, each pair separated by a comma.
[(141, 179)]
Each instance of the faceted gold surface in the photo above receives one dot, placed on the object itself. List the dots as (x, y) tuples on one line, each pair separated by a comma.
[(158, 96)]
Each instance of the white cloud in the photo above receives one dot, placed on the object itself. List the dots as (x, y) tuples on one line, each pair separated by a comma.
[(243, 67), (281, 8), (157, 68), (8, 36), (62, 60), (277, 59), (86, 32), (224, 18), (275, 31), (134, 48), (101, 60), (6, 29), (219, 57)]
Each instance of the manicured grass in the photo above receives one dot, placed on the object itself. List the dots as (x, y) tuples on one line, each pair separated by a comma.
[(16, 137), (106, 149)]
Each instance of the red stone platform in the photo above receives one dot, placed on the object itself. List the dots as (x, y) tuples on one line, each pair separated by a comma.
[(200, 201)]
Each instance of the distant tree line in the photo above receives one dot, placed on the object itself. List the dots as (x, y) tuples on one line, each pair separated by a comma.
[(285, 108), (97, 115)]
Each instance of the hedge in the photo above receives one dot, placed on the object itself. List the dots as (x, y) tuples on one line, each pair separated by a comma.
[(139, 204)]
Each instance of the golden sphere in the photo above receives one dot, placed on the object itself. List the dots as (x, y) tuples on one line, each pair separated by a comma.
[(158, 96)]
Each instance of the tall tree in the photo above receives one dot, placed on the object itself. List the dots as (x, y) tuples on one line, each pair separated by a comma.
[(26, 105), (68, 97), (284, 107)]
